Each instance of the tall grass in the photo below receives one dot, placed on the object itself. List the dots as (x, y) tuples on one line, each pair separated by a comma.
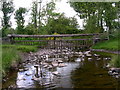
[(8, 56), (0, 65)]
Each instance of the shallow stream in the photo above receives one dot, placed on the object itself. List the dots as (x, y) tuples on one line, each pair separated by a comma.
[(76, 71)]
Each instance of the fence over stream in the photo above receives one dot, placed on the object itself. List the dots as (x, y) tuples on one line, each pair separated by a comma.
[(58, 41)]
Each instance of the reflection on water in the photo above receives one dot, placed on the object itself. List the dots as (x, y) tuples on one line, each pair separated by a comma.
[(76, 72)]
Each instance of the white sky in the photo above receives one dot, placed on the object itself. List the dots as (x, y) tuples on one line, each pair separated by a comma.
[(61, 6)]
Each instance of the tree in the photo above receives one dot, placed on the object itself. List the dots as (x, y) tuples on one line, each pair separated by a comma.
[(63, 25), (48, 14), (105, 13), (19, 16), (7, 10), (34, 13)]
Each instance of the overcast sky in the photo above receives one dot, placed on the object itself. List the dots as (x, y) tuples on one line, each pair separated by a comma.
[(61, 6)]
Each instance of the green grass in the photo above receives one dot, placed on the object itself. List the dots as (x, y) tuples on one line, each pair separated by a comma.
[(23, 48), (108, 45), (115, 62), (10, 55), (27, 48)]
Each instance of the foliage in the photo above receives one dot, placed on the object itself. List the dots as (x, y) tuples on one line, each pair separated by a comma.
[(90, 27), (104, 14), (7, 10), (62, 25), (9, 55), (42, 17), (19, 16), (34, 14), (6, 31), (30, 29)]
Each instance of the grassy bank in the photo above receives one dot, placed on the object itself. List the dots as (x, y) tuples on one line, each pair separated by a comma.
[(112, 45), (10, 55), (108, 45), (115, 62)]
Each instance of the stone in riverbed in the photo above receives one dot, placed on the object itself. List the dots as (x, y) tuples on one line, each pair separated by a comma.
[(89, 59), (60, 61), (21, 70), (55, 64), (98, 59), (55, 73), (50, 67), (96, 55), (62, 65), (115, 70), (45, 66)]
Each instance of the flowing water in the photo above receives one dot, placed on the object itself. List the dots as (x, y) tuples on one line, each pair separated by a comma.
[(77, 72)]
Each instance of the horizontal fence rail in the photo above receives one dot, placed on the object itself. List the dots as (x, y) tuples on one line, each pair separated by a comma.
[(53, 41), (45, 36)]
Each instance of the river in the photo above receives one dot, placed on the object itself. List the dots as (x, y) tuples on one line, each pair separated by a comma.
[(75, 71)]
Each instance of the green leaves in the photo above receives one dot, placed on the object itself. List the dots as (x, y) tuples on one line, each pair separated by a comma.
[(7, 9), (19, 16), (63, 25), (104, 12)]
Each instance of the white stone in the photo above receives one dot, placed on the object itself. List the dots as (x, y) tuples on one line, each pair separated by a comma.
[(55, 64), (55, 73), (62, 65)]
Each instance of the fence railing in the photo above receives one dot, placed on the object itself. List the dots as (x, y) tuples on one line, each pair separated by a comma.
[(43, 40)]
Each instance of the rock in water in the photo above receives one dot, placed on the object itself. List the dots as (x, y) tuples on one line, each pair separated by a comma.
[(55, 64), (89, 59), (78, 60), (60, 61), (62, 65), (55, 73)]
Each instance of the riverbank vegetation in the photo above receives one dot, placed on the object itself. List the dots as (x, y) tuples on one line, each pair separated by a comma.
[(11, 55), (108, 45), (115, 62), (113, 45)]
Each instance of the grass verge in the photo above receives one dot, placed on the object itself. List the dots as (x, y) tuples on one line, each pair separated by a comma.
[(10, 55), (108, 45)]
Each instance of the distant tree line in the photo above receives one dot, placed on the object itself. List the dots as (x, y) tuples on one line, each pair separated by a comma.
[(44, 20)]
